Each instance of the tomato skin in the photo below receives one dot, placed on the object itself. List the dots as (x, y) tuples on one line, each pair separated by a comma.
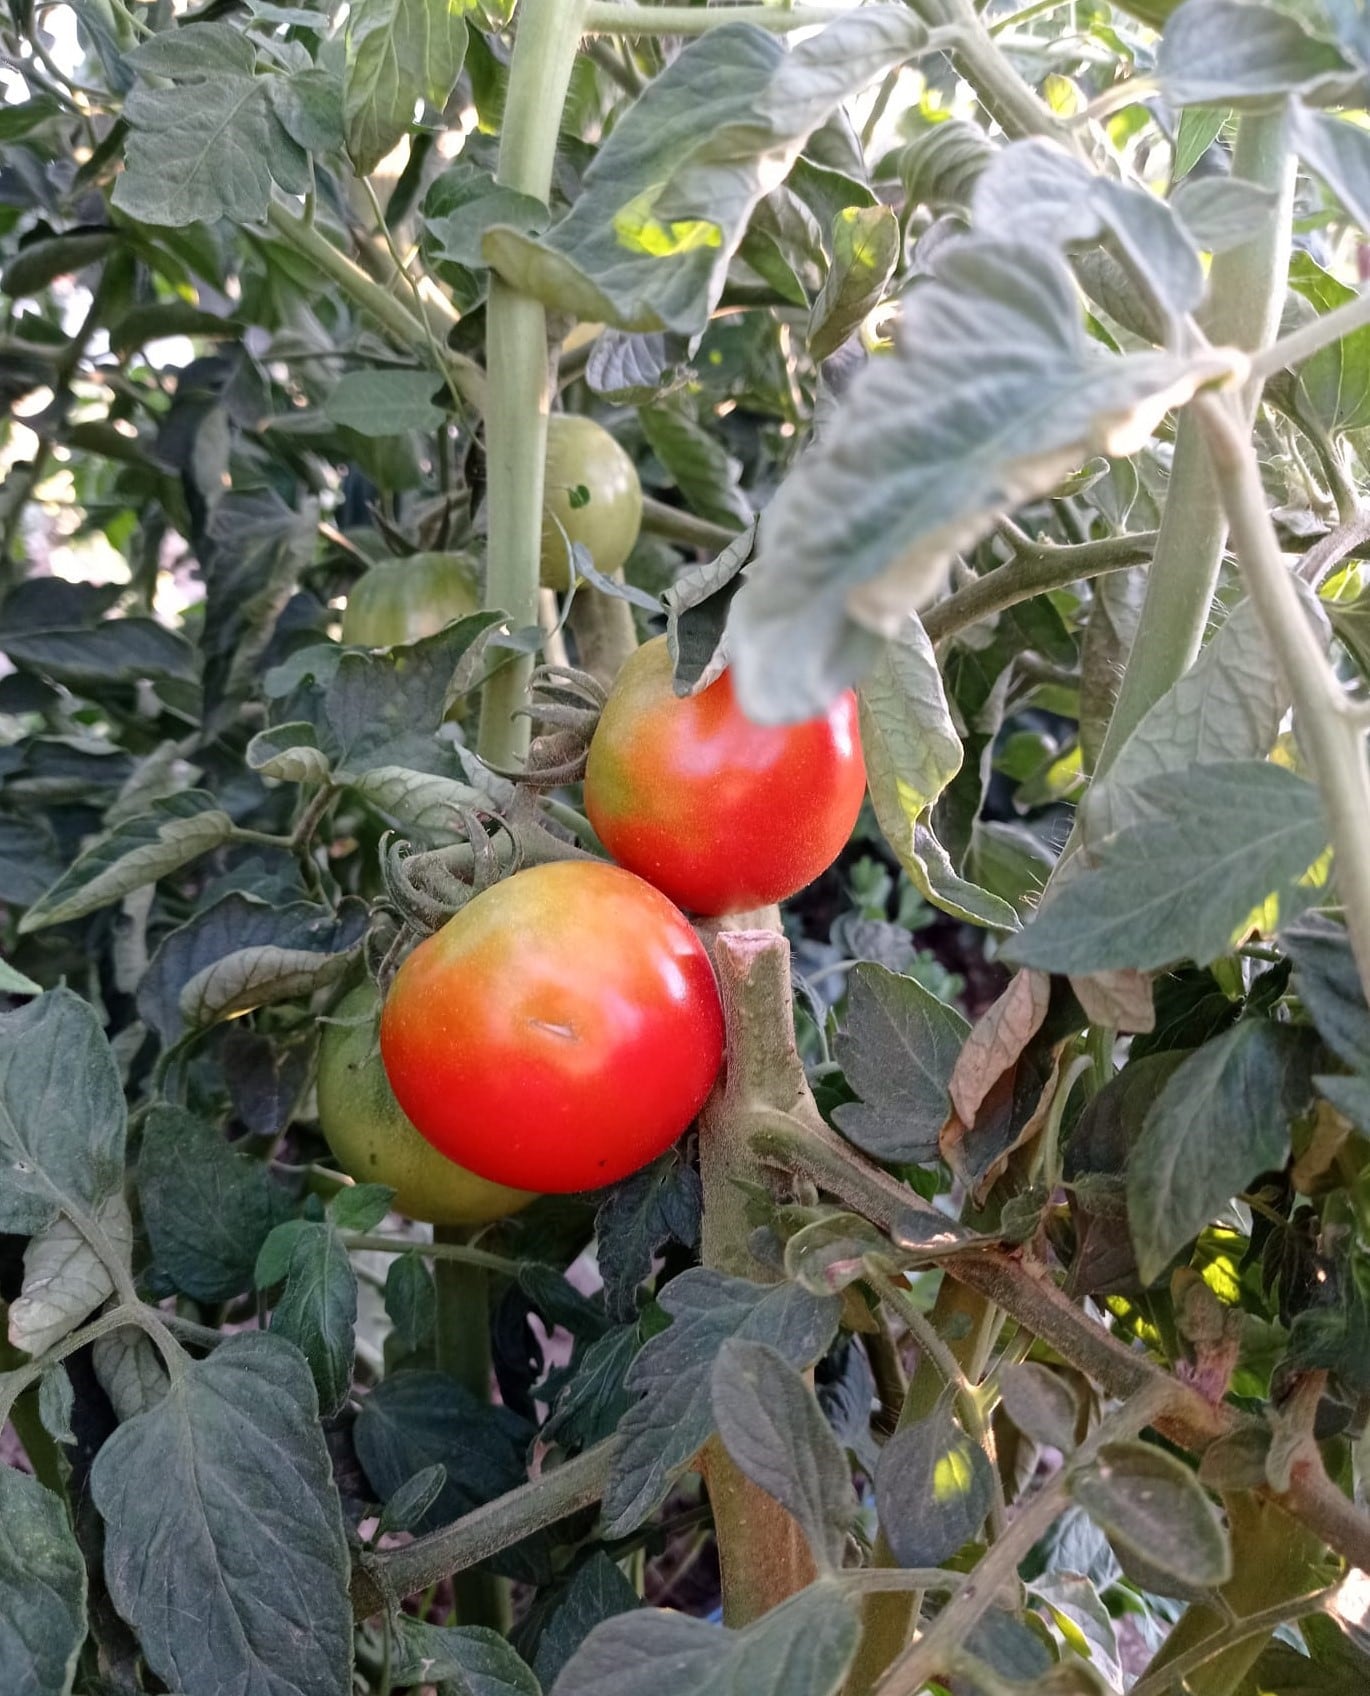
[(719, 813), (375, 1143), (583, 455), (404, 600), (559, 1032)]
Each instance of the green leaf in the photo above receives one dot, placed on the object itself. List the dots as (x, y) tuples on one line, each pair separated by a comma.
[(993, 393), (411, 1301), (829, 1253), (15, 983), (696, 611), (1212, 843), (772, 1426), (661, 1435), (230, 1463), (417, 800), (661, 1202), (385, 708), (667, 199), (207, 1208), (65, 1278), (1228, 706), (1226, 53), (469, 1659), (897, 1049), (1035, 184), (398, 53), (1222, 1118), (1328, 984), (1074, 1607), (705, 473), (1152, 1505), (289, 753), (933, 1488), (360, 1207), (211, 145), (175, 830), (385, 403), (42, 1589), (148, 323), (1199, 128), (592, 1397), (802, 1648), (865, 246), (1337, 151), (463, 203), (1041, 1404), (1223, 212), (130, 1371), (912, 753), (317, 1311), (596, 1591), (412, 1501), (415, 1420), (62, 1115), (257, 977), (1333, 387), (56, 1399), (29, 864), (241, 952), (41, 262)]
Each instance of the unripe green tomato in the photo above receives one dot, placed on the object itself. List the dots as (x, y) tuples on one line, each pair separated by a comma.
[(373, 1140), (591, 496), (404, 600)]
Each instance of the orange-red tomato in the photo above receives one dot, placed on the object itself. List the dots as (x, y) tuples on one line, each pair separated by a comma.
[(719, 813), (560, 1032)]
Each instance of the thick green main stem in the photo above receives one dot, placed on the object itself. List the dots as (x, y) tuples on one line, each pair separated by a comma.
[(1247, 289), (463, 1353), (517, 364)]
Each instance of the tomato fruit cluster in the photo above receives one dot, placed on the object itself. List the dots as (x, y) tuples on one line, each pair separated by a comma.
[(373, 1140), (560, 1031), (591, 496), (721, 814)]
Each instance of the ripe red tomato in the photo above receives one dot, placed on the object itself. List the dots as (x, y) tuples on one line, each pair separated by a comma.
[(719, 813), (560, 1032)]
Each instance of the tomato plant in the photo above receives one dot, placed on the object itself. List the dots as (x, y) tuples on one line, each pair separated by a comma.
[(559, 1032), (447, 449), (403, 600), (592, 499), (719, 812), (371, 1138)]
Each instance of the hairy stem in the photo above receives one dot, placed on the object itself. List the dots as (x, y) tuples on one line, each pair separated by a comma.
[(613, 19), (385, 1578), (1246, 293), (763, 1554), (463, 1353), (380, 305), (1330, 734), (518, 363), (1034, 572)]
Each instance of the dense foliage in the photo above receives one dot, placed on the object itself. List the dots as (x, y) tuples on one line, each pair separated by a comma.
[(1002, 1326)]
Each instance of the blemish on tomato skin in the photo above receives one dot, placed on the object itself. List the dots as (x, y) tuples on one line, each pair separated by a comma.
[(567, 1032)]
